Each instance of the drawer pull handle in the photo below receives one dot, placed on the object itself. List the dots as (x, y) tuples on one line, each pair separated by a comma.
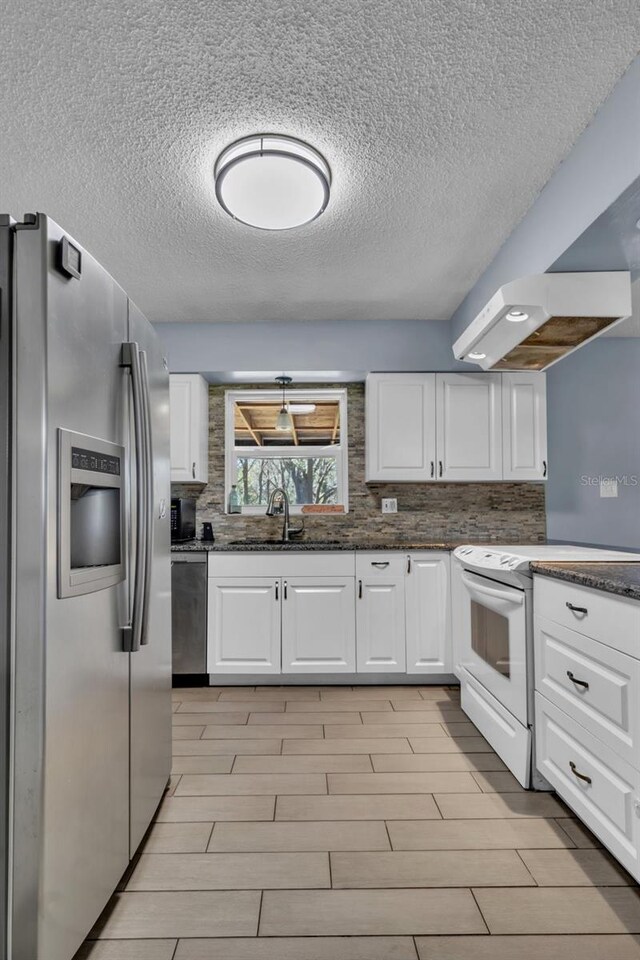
[(578, 683), (380, 564), (575, 609), (576, 773)]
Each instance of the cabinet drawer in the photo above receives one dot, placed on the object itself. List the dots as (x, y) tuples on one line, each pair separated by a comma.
[(287, 563), (372, 565), (603, 616), (596, 685), (596, 783)]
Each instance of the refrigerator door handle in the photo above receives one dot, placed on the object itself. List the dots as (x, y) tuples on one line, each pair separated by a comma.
[(133, 631), (148, 473)]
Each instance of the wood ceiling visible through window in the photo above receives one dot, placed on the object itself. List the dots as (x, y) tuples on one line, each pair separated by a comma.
[(255, 424)]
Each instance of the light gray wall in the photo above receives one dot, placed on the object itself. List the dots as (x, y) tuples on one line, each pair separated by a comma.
[(594, 430), (328, 350), (604, 162)]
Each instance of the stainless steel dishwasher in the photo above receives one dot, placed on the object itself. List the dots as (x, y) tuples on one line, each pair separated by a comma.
[(189, 613)]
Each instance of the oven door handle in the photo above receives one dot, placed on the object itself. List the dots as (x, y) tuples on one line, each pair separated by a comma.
[(508, 595)]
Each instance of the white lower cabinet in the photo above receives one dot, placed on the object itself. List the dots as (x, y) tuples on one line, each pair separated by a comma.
[(587, 719), (428, 626), (597, 784), (380, 623), (329, 613), (244, 625), (318, 625)]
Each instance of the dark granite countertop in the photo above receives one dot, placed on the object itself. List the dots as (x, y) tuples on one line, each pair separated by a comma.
[(620, 578), (311, 546), (391, 545)]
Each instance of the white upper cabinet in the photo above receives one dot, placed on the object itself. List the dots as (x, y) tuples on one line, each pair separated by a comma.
[(524, 424), (400, 426), (456, 427), (189, 397), (469, 418)]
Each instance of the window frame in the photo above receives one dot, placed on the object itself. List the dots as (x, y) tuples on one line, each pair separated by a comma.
[(340, 452)]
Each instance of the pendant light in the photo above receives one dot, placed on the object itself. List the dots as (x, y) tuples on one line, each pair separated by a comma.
[(284, 422), (272, 182)]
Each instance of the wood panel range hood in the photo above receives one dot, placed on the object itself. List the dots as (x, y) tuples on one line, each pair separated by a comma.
[(531, 323)]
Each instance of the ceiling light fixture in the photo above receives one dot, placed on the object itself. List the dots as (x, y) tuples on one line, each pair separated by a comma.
[(272, 182), (284, 421), (517, 316), (477, 356)]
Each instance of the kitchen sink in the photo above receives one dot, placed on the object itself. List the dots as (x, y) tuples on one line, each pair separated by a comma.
[(249, 542)]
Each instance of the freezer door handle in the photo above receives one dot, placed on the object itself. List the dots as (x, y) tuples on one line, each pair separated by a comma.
[(148, 479), (132, 633)]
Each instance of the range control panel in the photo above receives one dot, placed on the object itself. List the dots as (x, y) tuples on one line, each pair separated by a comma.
[(96, 462)]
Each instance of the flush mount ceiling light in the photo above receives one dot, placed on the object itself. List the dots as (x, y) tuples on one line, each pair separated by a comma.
[(476, 356), (517, 316), (272, 182)]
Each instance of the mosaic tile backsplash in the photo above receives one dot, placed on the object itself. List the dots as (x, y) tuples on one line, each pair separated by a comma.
[(502, 512)]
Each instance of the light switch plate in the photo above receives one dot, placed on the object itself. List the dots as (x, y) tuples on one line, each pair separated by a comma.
[(389, 505), (608, 487)]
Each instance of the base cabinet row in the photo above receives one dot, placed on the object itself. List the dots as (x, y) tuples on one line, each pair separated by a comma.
[(391, 616), (587, 674)]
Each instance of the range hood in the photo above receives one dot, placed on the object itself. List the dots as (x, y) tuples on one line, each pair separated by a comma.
[(531, 323)]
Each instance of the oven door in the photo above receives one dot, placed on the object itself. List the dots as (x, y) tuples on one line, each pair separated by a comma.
[(494, 640)]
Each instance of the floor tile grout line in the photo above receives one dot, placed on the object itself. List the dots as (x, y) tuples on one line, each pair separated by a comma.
[(535, 882), (475, 899), (257, 934)]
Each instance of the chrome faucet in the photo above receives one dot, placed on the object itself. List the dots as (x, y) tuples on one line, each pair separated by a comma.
[(279, 504)]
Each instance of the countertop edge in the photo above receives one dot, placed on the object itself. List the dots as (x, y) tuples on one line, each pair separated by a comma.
[(621, 579)]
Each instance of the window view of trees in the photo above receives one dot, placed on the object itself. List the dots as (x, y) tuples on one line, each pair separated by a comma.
[(304, 479)]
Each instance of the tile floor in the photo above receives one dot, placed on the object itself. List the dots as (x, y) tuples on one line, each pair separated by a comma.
[(368, 823)]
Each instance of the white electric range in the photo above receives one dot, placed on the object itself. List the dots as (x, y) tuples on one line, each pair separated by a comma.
[(492, 596)]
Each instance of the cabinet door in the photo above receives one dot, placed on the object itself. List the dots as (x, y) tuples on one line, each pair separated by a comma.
[(318, 625), (189, 398), (400, 426), (469, 418), (524, 426), (244, 625), (380, 625), (427, 612)]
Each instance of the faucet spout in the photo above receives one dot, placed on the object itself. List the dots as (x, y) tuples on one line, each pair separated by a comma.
[(279, 504)]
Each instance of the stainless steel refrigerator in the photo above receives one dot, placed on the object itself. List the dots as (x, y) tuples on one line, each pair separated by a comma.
[(85, 613)]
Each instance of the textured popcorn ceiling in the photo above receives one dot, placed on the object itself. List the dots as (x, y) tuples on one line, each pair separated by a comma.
[(441, 119)]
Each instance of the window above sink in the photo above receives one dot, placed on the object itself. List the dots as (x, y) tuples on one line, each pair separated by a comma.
[(308, 460)]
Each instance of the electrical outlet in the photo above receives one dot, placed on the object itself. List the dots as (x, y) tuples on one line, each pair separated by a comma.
[(608, 487), (389, 505)]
